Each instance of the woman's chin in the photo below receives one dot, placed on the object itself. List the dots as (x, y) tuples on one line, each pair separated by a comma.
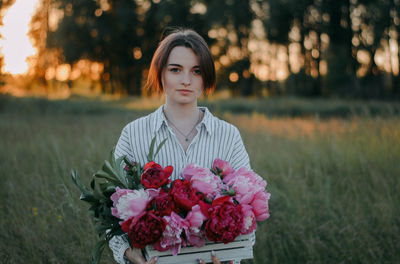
[(184, 100)]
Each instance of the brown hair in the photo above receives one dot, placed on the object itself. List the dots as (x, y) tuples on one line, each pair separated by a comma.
[(186, 38)]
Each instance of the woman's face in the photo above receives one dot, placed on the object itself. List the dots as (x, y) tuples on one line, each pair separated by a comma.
[(181, 77)]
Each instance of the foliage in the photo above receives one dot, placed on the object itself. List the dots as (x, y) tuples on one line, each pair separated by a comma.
[(351, 26), (113, 175), (106, 225), (123, 36)]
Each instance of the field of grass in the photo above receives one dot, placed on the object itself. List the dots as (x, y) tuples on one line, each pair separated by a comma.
[(334, 181)]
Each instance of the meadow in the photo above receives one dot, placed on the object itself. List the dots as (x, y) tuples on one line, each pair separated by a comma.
[(332, 169)]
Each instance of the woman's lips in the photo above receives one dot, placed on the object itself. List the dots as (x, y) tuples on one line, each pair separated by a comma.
[(184, 91)]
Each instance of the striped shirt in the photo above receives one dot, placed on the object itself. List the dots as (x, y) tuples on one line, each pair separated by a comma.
[(215, 138)]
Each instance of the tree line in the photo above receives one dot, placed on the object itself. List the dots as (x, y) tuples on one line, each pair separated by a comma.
[(332, 38)]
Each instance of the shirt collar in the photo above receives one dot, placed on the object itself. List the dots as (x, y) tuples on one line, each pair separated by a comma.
[(159, 118), (207, 121)]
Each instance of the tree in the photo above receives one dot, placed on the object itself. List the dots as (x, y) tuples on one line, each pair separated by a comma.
[(395, 24), (76, 35), (305, 16), (341, 60), (39, 32), (233, 18), (378, 19)]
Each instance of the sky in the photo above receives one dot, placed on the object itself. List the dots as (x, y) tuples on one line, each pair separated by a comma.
[(15, 44)]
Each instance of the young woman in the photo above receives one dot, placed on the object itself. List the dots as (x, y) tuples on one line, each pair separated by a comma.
[(182, 68)]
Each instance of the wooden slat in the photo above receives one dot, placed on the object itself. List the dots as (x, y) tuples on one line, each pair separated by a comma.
[(239, 249)]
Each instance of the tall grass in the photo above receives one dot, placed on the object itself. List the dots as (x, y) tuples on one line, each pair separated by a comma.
[(334, 195), (334, 183)]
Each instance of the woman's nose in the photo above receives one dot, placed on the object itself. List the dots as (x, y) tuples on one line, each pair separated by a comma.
[(185, 79)]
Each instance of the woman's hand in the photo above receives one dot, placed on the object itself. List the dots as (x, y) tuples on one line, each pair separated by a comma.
[(135, 256), (214, 258)]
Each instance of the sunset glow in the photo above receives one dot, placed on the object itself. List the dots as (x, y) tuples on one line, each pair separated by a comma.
[(15, 44)]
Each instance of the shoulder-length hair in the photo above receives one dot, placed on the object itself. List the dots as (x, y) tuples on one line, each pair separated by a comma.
[(186, 38)]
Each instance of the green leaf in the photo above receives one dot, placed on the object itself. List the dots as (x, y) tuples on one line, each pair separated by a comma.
[(88, 197), (112, 171), (230, 192), (86, 194), (160, 146), (98, 195), (112, 155), (150, 156), (77, 181), (120, 169), (117, 167), (107, 188), (102, 228), (138, 174), (105, 175), (94, 207), (118, 161), (127, 162), (92, 183), (116, 230), (97, 251)]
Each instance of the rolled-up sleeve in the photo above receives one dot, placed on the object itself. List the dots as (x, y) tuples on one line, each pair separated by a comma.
[(118, 246)]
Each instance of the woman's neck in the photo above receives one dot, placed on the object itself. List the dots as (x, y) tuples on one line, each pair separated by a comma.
[(181, 114)]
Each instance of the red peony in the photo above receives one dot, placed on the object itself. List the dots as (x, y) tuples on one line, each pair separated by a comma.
[(184, 196), (154, 176), (145, 229), (225, 221), (162, 204)]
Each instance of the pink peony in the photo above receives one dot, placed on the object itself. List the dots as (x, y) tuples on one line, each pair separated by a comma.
[(202, 179), (222, 168), (195, 237), (195, 217), (171, 237), (260, 205), (249, 220), (129, 203), (194, 221), (246, 184)]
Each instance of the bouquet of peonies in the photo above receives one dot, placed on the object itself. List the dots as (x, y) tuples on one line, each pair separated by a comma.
[(218, 203)]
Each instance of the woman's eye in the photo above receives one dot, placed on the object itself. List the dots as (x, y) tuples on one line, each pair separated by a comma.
[(174, 69), (197, 72)]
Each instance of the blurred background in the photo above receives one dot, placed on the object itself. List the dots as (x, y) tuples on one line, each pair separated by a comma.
[(312, 85), (342, 48)]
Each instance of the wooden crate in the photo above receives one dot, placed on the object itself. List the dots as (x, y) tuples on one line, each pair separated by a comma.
[(241, 248)]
